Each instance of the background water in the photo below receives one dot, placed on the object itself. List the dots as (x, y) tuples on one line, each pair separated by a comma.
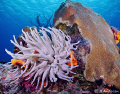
[(16, 14)]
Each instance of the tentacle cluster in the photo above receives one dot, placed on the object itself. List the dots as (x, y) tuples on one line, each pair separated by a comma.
[(45, 58)]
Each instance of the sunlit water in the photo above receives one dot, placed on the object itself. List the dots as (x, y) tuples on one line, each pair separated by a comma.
[(16, 14)]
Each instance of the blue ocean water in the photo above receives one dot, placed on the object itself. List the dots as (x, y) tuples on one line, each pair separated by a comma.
[(16, 14)]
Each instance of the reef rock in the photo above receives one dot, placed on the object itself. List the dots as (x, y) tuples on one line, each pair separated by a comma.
[(102, 62)]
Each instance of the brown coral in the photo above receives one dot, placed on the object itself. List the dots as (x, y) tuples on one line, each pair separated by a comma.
[(103, 60)]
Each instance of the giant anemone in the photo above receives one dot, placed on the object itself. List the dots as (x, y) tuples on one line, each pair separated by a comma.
[(43, 59)]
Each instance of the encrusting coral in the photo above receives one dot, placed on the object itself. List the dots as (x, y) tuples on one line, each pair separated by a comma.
[(43, 58), (103, 61)]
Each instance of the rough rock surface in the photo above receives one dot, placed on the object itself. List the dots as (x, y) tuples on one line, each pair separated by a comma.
[(103, 60)]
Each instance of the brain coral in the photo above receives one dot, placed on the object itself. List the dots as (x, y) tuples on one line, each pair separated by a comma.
[(42, 58), (103, 60)]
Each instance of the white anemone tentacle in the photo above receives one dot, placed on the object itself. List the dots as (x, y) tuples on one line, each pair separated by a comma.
[(44, 58)]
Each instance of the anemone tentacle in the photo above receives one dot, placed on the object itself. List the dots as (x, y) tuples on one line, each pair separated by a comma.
[(45, 58)]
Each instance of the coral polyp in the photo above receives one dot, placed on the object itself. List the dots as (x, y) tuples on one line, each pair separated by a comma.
[(43, 59)]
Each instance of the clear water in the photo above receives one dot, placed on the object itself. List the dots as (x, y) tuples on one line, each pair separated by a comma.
[(16, 14)]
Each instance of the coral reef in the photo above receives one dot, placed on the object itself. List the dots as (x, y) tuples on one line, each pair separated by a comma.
[(42, 60), (102, 60), (81, 59)]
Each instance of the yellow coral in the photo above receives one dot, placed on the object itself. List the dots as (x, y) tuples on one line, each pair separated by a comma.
[(118, 37), (17, 62)]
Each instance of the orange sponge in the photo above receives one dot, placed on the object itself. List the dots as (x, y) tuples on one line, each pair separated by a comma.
[(74, 61), (17, 62)]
